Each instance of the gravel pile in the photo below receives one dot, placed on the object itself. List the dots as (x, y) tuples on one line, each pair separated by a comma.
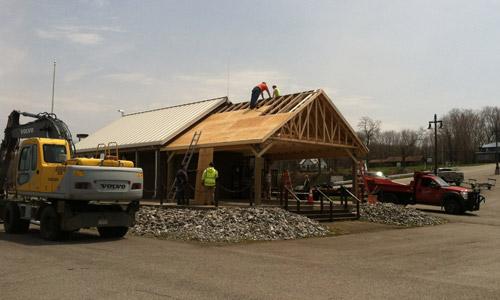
[(388, 213), (225, 224)]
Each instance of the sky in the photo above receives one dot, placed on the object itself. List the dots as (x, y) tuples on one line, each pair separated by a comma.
[(399, 62)]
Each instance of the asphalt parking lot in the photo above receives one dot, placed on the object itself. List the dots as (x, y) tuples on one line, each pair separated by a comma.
[(458, 260)]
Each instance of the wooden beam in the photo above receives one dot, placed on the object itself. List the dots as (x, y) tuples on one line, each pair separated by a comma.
[(292, 103), (279, 105), (170, 156), (310, 142), (350, 154), (315, 120), (259, 165), (205, 156), (265, 149), (257, 151)]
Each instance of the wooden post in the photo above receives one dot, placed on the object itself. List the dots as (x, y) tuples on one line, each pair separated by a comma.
[(354, 177), (205, 156), (170, 175), (259, 166), (155, 193)]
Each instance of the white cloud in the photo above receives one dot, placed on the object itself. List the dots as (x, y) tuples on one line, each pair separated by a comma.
[(137, 78), (85, 38), (84, 35)]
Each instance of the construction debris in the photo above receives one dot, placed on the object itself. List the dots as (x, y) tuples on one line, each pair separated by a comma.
[(225, 224), (393, 214)]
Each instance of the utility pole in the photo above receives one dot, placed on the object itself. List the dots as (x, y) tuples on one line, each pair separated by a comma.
[(53, 86), (435, 122), (497, 168)]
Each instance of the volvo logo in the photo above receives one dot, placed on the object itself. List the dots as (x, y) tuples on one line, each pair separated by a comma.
[(27, 130), (110, 186)]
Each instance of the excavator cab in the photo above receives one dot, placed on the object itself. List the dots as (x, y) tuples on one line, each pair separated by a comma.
[(38, 165)]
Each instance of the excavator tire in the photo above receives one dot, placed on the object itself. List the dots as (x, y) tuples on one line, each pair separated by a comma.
[(50, 226), (12, 219), (112, 232)]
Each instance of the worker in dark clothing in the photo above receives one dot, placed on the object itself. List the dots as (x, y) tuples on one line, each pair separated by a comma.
[(258, 91), (181, 180)]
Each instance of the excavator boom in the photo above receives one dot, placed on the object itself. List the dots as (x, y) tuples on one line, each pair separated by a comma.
[(45, 125)]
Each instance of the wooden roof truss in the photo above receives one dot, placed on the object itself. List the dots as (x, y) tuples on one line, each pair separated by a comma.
[(316, 123)]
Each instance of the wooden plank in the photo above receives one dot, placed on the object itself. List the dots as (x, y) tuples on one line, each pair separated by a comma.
[(308, 100), (292, 103), (205, 156), (273, 108), (316, 120), (310, 142), (265, 149)]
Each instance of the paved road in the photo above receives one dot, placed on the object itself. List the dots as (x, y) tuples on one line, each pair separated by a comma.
[(459, 260)]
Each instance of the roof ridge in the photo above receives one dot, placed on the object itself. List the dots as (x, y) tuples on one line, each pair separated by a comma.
[(308, 91), (174, 106)]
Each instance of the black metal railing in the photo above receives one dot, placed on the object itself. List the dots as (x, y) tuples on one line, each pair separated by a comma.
[(330, 201), (295, 197), (345, 194), (354, 198)]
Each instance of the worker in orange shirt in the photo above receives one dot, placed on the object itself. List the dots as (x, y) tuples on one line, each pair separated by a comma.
[(258, 91)]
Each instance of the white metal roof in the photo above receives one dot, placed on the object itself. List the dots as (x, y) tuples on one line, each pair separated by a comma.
[(150, 128)]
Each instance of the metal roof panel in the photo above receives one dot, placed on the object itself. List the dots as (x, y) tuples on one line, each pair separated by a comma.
[(150, 128)]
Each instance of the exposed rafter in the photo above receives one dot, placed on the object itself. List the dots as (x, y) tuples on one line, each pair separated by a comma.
[(317, 123)]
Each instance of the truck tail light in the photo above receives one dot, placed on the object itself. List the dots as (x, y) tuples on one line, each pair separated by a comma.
[(136, 186), (82, 185)]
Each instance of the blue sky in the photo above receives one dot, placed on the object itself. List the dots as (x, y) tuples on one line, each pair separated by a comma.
[(396, 61)]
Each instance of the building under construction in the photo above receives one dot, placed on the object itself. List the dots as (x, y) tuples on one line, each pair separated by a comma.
[(242, 142)]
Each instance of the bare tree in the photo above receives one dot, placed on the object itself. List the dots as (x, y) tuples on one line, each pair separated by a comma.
[(369, 129), (407, 144)]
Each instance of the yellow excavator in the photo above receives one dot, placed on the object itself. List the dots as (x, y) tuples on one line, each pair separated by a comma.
[(43, 183)]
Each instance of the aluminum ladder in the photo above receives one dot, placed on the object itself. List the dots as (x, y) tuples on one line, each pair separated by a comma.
[(185, 162)]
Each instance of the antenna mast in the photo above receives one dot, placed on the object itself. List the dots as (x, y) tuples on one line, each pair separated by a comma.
[(53, 86)]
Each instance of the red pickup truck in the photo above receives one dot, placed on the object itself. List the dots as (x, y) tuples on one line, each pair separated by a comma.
[(428, 189)]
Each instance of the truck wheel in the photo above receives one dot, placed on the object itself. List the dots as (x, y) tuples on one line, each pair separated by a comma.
[(451, 206), (112, 232), (12, 219), (390, 198), (50, 227)]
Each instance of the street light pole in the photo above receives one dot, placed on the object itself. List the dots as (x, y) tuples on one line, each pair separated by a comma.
[(497, 168), (435, 122)]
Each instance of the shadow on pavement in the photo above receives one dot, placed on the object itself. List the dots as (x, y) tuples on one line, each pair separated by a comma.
[(33, 238), (441, 212)]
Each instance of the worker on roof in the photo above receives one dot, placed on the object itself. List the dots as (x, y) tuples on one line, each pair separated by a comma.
[(258, 91), (208, 179), (276, 91)]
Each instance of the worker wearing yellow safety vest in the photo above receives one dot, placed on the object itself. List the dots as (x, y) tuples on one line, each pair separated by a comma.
[(208, 179)]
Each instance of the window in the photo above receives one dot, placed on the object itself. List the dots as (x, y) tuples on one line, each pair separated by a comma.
[(427, 182), (54, 153), (25, 158)]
